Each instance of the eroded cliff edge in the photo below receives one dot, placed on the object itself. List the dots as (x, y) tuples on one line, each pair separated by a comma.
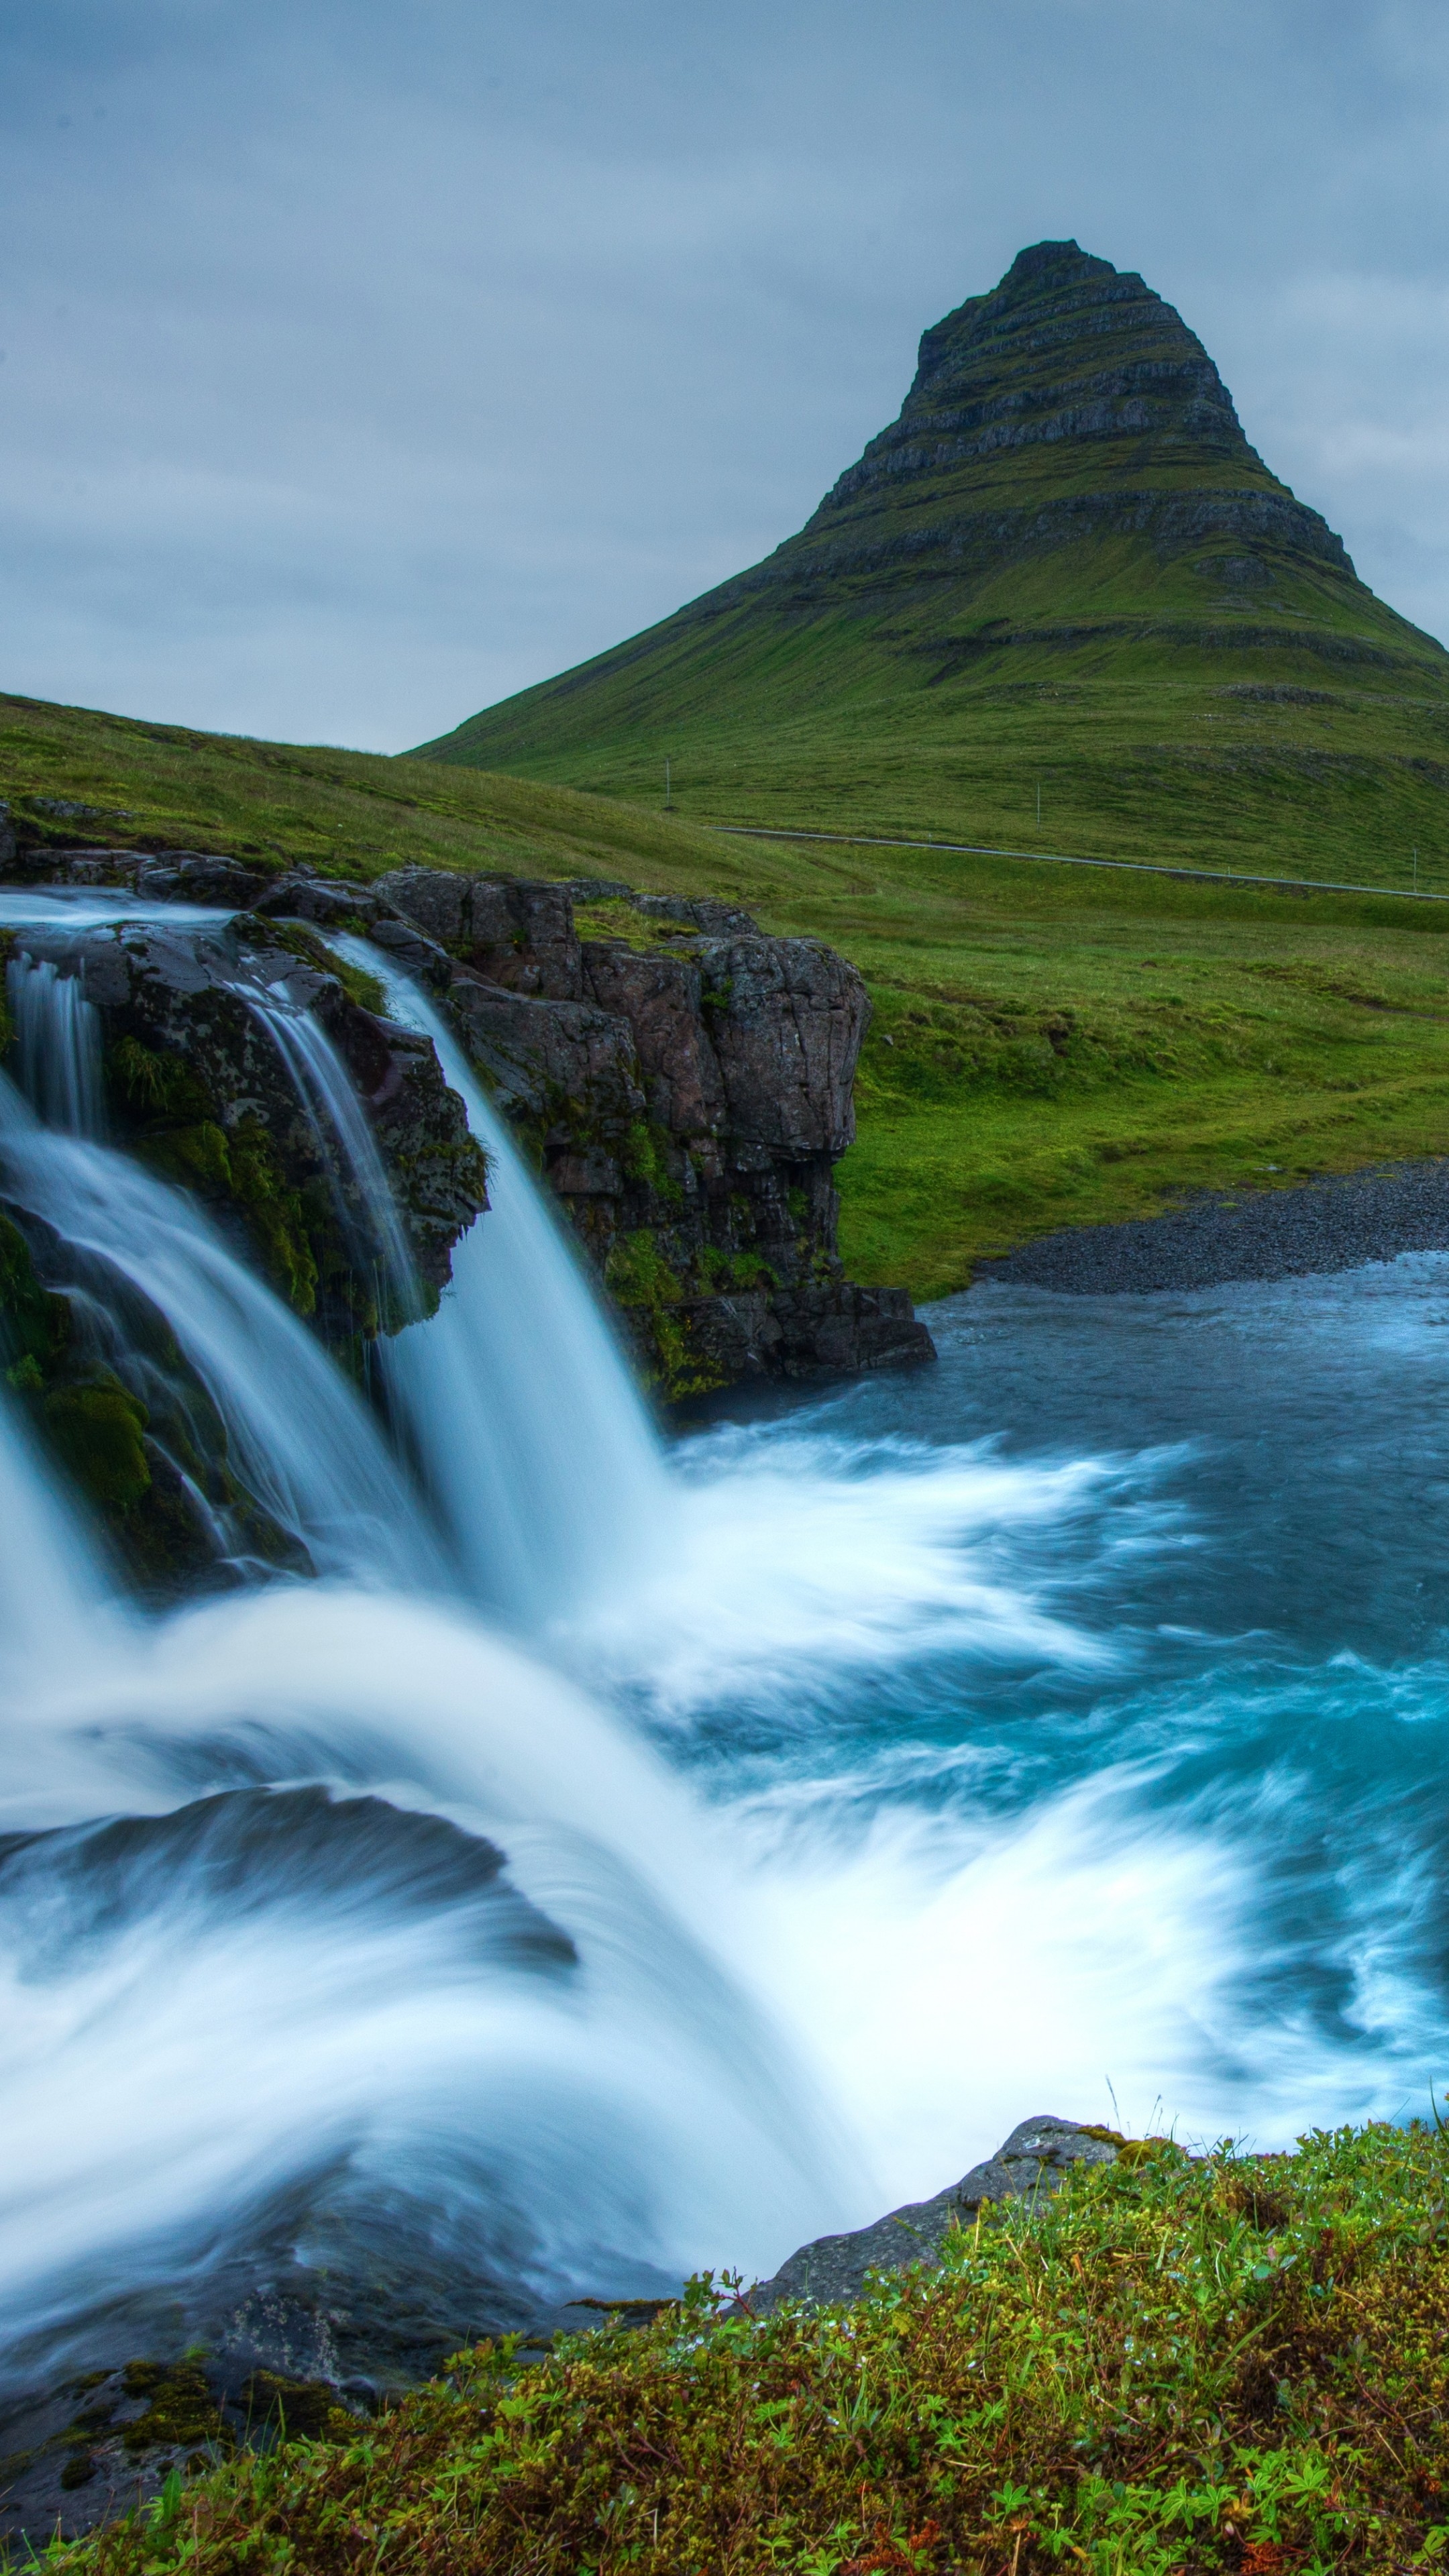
[(682, 1080)]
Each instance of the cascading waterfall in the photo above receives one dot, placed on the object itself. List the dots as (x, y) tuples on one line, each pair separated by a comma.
[(391, 1953), (299, 1439), (344, 1939), (534, 1444), (323, 1084), (54, 1601), (58, 1041)]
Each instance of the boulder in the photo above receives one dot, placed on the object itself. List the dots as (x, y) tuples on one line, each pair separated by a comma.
[(686, 1095), (1036, 2158)]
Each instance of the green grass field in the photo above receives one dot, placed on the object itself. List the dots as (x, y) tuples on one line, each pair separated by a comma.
[(1259, 755), (1051, 1046)]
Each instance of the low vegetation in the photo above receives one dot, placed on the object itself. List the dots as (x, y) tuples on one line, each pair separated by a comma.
[(1052, 1046), (1235, 2363)]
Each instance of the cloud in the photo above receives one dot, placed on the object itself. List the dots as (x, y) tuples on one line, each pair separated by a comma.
[(365, 363)]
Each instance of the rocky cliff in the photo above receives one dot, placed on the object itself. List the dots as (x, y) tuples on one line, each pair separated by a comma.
[(681, 1079), (684, 1082)]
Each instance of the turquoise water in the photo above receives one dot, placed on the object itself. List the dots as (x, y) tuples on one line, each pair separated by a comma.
[(1167, 1825)]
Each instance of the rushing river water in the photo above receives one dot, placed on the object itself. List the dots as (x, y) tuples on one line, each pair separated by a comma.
[(628, 1857)]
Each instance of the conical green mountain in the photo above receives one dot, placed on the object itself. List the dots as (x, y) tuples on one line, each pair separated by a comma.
[(1062, 574)]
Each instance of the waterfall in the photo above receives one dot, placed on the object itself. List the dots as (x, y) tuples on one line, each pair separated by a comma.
[(58, 1039), (325, 1089), (299, 1439), (52, 1592), (337, 1933), (531, 1436)]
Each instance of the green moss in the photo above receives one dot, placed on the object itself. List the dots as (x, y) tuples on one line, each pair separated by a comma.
[(615, 920), (181, 2413), (643, 1281), (198, 1157), (156, 1085), (724, 1270), (308, 944), (276, 1215), (98, 1432), (35, 1325), (645, 1154), (180, 1135)]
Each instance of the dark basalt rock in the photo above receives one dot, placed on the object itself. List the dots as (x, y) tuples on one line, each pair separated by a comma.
[(686, 1092), (1036, 2158)]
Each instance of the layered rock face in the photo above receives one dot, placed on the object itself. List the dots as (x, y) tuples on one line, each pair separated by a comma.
[(1070, 401), (685, 1081)]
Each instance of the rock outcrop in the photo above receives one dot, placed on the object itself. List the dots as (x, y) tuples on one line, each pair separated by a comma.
[(681, 1079), (1036, 2158), (685, 1082)]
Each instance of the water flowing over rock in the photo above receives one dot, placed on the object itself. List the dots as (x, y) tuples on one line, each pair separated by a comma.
[(189, 1019), (682, 1079)]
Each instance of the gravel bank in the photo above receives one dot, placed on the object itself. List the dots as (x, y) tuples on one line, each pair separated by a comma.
[(1274, 1234)]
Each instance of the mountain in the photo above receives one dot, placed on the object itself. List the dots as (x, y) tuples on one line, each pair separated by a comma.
[(1062, 569)]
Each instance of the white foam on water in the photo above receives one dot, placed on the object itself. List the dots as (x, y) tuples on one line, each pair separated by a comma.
[(205, 2054), (796, 1557)]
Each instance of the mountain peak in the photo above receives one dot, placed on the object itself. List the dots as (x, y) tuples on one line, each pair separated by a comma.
[(1066, 518), (1067, 353)]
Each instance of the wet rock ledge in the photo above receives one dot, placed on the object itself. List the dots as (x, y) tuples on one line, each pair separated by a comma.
[(681, 1079)]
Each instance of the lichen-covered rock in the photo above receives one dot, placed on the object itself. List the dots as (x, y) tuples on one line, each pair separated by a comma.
[(510, 931), (788, 1017), (539, 1055), (659, 1000)]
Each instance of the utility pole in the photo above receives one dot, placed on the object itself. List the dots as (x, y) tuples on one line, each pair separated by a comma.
[(666, 787)]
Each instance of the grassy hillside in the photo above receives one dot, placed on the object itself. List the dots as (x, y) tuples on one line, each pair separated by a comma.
[(1050, 1046), (1174, 2368), (1063, 572)]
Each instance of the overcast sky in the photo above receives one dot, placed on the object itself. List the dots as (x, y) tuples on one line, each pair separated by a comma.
[(365, 360)]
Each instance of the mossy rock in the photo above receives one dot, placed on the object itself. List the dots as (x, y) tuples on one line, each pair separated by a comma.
[(98, 1432), (35, 1325)]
